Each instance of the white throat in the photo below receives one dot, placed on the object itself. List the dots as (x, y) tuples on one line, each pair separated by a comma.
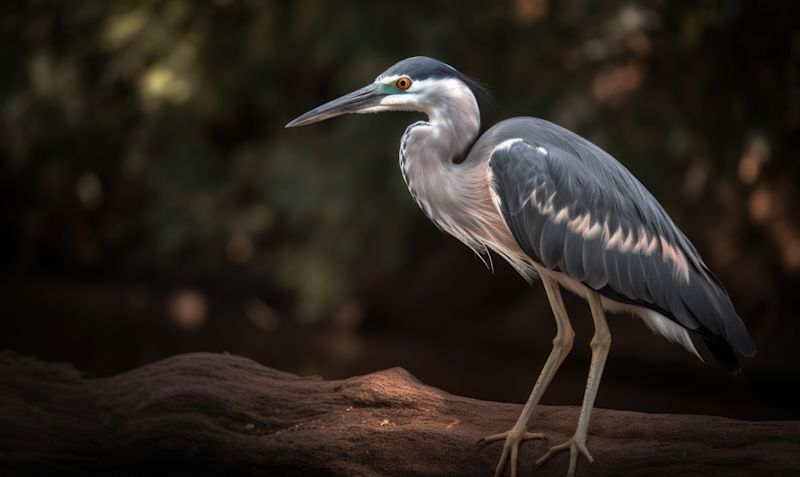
[(453, 115)]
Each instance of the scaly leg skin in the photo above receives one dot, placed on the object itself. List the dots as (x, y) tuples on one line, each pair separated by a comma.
[(562, 344), (601, 342)]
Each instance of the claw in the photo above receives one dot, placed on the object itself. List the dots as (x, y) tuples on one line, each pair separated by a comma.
[(574, 445), (510, 448)]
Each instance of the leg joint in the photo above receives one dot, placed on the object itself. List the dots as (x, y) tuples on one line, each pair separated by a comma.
[(564, 340), (601, 340)]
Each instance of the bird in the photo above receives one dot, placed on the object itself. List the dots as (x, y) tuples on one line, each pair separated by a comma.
[(557, 208)]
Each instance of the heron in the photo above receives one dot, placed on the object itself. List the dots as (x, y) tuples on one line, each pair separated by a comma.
[(558, 208)]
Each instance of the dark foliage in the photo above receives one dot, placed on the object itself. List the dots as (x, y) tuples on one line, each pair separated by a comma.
[(152, 202)]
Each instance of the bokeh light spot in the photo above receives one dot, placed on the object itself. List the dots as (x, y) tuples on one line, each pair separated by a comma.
[(187, 309), (89, 190), (262, 315), (240, 248)]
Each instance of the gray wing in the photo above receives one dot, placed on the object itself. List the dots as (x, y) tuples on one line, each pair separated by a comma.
[(573, 208)]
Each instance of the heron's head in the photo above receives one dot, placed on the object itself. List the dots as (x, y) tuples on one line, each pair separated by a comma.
[(415, 84)]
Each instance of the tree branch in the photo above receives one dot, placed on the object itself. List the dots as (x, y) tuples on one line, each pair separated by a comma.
[(215, 414)]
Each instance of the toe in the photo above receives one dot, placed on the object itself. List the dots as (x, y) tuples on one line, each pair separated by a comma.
[(553, 451), (492, 438), (510, 455), (573, 461), (582, 447), (514, 455), (575, 446), (501, 466)]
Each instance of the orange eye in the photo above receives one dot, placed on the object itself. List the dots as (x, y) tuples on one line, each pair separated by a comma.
[(403, 83)]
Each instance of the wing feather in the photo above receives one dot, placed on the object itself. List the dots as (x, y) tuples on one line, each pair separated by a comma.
[(575, 209), (573, 257)]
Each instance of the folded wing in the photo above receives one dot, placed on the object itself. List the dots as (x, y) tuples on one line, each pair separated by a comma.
[(573, 208)]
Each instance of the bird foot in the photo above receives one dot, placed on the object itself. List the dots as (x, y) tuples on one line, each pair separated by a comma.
[(513, 439), (575, 444)]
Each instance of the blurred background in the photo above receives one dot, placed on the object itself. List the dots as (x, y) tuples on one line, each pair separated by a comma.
[(153, 204)]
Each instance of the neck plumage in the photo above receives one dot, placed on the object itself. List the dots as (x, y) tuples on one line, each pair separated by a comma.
[(430, 152), (453, 121), (455, 194), (429, 149)]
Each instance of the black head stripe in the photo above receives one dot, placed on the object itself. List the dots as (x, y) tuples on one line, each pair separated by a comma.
[(421, 68)]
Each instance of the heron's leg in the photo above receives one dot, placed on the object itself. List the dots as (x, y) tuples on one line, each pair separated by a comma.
[(562, 344), (601, 342)]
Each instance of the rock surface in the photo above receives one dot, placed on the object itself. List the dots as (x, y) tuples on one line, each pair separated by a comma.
[(215, 414)]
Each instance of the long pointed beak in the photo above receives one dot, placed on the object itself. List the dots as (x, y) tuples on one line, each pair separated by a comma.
[(354, 102)]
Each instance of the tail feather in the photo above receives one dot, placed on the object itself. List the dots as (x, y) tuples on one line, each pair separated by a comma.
[(724, 354), (721, 327)]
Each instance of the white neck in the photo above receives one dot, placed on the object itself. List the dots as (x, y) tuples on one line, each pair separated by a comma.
[(429, 150), (453, 116), (454, 195)]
